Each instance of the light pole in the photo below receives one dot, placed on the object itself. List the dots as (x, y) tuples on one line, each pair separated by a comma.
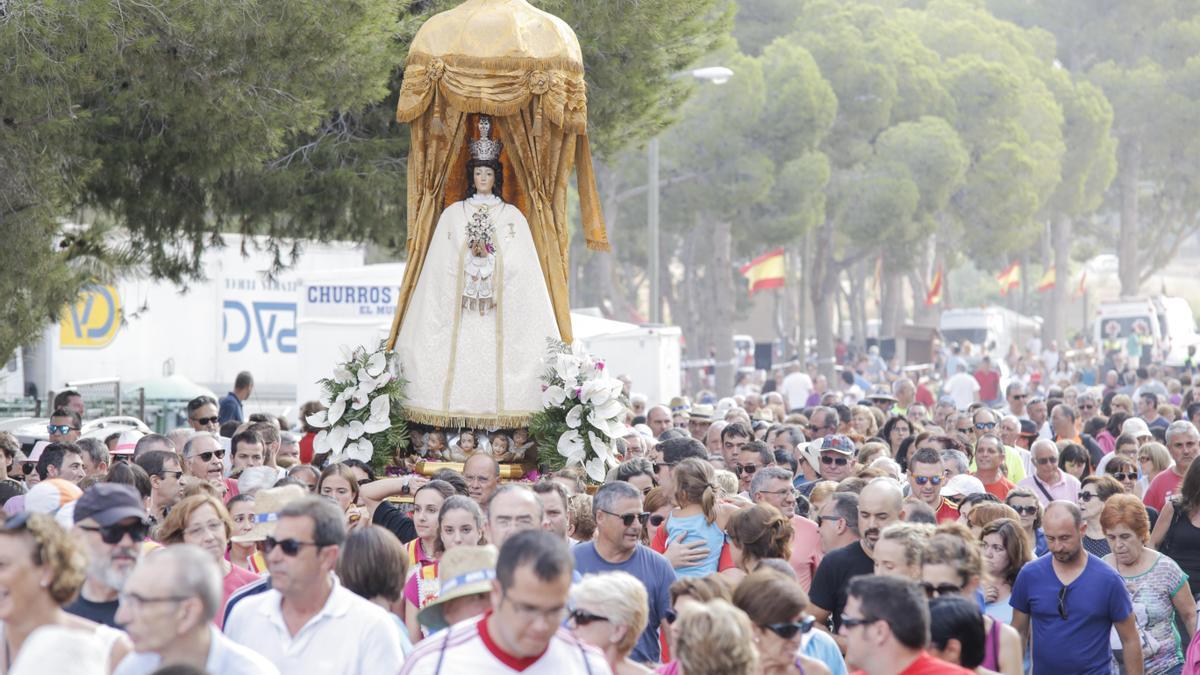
[(716, 75)]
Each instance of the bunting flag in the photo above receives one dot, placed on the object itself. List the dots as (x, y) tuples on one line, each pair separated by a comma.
[(934, 297), (1047, 280), (1082, 288), (765, 271), (1010, 278)]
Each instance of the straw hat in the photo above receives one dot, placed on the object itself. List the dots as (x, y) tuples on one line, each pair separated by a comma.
[(267, 505), (462, 571)]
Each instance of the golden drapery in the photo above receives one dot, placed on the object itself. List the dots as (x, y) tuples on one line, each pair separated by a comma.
[(522, 66)]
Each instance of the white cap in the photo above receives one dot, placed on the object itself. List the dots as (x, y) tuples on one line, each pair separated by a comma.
[(127, 442), (36, 453), (1136, 427), (962, 485)]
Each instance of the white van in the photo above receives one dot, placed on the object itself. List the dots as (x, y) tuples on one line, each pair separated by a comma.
[(993, 328), (1168, 320)]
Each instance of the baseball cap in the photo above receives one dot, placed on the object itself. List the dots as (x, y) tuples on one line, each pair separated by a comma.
[(127, 442), (110, 503), (837, 443), (962, 485), (51, 495), (1136, 427)]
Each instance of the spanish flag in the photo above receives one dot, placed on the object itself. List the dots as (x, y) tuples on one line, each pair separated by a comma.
[(1047, 280), (765, 271), (1010, 278), (935, 290)]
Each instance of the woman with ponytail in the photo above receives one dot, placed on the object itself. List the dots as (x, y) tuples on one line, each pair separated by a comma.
[(696, 517)]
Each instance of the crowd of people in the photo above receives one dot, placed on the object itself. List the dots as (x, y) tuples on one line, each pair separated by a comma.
[(1044, 525)]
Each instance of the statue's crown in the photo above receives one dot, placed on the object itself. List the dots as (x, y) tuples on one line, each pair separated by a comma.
[(486, 148)]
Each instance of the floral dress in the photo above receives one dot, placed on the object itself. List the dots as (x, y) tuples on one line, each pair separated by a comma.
[(1151, 593)]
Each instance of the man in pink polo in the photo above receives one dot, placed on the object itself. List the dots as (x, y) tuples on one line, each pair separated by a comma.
[(1183, 442), (773, 485), (1049, 482)]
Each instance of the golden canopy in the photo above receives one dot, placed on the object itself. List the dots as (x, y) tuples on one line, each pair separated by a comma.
[(523, 66)]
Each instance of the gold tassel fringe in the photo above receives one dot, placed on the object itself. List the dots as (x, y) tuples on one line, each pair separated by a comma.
[(447, 420)]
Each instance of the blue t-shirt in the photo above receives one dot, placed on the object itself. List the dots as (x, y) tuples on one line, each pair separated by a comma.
[(230, 409), (655, 573), (1093, 603), (697, 528), (822, 647)]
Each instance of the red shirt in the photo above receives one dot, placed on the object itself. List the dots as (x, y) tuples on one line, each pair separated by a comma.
[(1000, 488), (927, 665), (989, 385), (946, 512), (1163, 486)]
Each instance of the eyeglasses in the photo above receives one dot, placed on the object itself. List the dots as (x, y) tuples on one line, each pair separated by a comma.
[(840, 461), (1062, 603), (583, 618), (985, 426), (290, 547), (782, 493), (657, 519), (787, 631), (849, 622), (659, 466), (964, 430), (207, 456), (134, 601), (932, 480), (747, 469), (1045, 460), (628, 518), (205, 421), (213, 526), (822, 519), (1121, 475), (113, 534), (60, 428), (27, 468), (1088, 496), (932, 591), (167, 474), (1025, 510)]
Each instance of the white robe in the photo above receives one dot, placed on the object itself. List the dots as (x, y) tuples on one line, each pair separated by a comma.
[(468, 369)]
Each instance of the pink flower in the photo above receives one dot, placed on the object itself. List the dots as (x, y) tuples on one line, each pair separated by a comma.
[(599, 365), (545, 387), (578, 391)]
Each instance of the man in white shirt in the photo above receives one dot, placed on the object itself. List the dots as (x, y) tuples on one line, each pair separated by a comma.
[(523, 632), (962, 387), (308, 622), (167, 608), (796, 386)]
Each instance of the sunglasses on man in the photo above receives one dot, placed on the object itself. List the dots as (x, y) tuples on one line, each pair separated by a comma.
[(628, 518), (747, 469), (207, 456), (840, 461), (61, 429), (205, 421), (113, 534), (930, 480), (290, 547)]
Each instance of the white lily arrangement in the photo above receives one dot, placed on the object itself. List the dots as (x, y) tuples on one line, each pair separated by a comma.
[(362, 418), (581, 412)]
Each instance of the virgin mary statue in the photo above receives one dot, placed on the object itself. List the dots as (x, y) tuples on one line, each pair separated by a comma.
[(473, 338)]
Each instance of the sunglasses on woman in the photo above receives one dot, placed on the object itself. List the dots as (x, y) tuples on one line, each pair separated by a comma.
[(935, 591), (657, 519), (1121, 475), (1025, 510), (787, 631), (583, 618)]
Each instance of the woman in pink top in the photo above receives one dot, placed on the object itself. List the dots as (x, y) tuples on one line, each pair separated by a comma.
[(203, 521)]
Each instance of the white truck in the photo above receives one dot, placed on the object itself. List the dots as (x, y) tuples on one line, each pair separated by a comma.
[(1168, 321), (993, 328)]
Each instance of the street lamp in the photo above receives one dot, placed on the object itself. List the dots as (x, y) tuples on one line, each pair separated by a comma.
[(716, 75)]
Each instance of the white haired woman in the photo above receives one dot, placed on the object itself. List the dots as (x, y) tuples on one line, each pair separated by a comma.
[(610, 612)]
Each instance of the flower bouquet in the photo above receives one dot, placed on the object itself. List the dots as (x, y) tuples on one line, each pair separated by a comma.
[(581, 412), (362, 419)]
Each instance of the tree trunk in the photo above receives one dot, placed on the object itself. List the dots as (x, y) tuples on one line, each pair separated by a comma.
[(892, 301), (722, 309), (823, 283), (1129, 173), (803, 285), (1057, 297)]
